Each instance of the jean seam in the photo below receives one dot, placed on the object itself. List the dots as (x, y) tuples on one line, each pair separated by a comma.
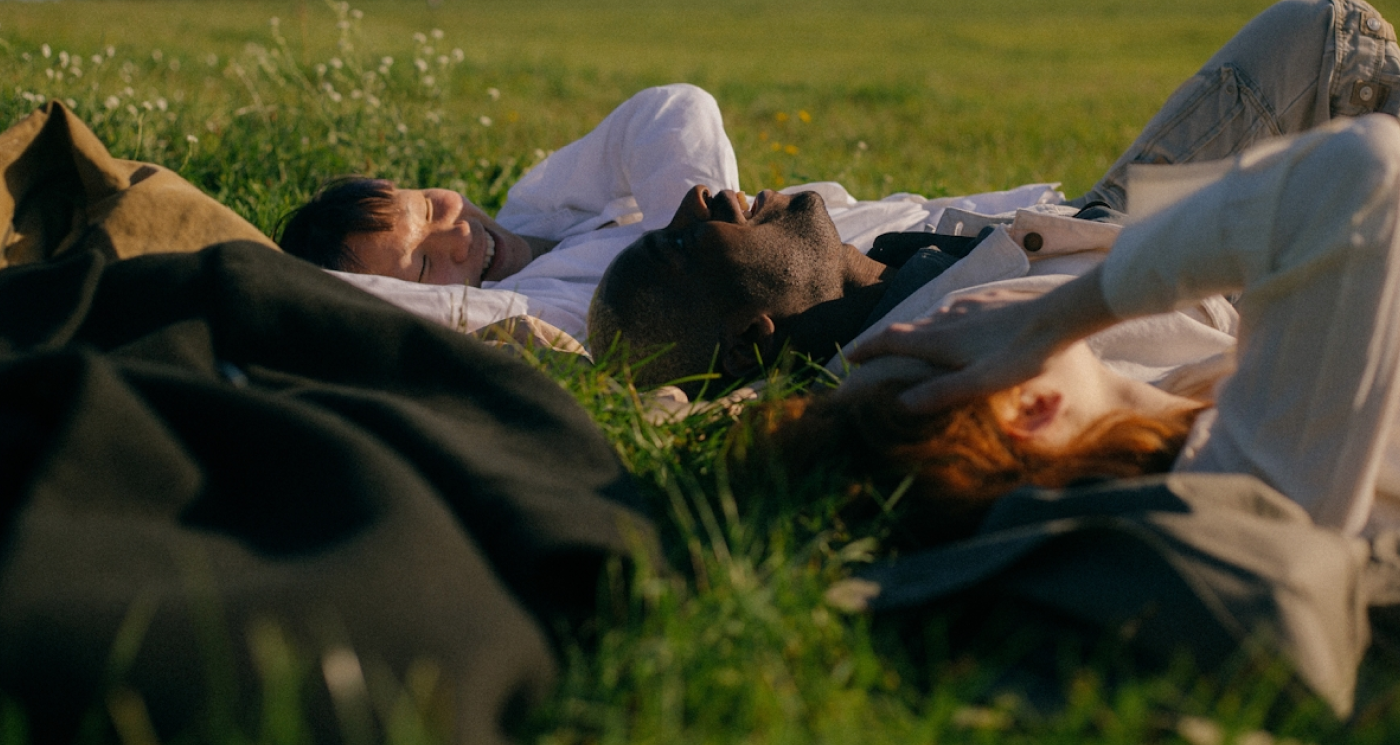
[(1220, 78)]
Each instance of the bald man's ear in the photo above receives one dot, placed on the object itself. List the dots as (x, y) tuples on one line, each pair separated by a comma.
[(744, 350)]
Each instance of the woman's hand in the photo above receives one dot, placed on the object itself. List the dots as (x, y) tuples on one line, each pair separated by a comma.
[(989, 341)]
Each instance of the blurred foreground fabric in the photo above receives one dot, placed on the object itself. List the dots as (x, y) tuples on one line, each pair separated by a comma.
[(205, 450)]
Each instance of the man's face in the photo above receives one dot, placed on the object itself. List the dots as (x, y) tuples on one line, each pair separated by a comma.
[(719, 252), (722, 276), (440, 238)]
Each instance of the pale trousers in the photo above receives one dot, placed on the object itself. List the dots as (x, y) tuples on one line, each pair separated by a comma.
[(1298, 64)]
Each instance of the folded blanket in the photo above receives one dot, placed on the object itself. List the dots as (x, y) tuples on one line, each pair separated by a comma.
[(64, 192)]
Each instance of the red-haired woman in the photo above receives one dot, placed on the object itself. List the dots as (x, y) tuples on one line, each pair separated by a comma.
[(1003, 391)]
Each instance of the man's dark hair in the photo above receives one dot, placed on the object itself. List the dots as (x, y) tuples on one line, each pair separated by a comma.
[(633, 317), (316, 231)]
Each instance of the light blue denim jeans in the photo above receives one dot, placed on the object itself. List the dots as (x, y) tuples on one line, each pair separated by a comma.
[(1296, 65)]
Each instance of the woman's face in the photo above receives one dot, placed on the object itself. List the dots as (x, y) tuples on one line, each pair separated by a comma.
[(1054, 408), (440, 238)]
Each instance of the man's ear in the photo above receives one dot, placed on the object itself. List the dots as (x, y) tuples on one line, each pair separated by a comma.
[(746, 348)]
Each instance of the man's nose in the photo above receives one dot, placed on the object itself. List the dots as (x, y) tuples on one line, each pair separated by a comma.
[(693, 208), (454, 244)]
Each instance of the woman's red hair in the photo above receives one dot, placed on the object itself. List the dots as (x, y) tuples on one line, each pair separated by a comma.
[(957, 462)]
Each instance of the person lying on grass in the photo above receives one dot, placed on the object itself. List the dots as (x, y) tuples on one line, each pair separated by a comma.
[(559, 227), (734, 285), (637, 162), (1000, 389)]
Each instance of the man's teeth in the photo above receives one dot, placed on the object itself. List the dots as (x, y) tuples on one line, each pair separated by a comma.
[(490, 252)]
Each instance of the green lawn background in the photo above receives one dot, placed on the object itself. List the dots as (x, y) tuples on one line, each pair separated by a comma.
[(937, 97)]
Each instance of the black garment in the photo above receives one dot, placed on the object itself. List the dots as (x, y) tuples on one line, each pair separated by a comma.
[(1208, 565), (229, 437)]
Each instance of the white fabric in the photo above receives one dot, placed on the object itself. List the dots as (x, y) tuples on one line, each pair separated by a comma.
[(632, 171)]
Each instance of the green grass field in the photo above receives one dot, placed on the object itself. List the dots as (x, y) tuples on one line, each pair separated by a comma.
[(936, 97)]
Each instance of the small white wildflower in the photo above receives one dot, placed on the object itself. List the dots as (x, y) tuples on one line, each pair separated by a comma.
[(175, 65), (112, 102), (111, 51), (342, 24), (483, 163), (386, 61), (420, 64), (327, 87), (442, 60), (320, 70), (357, 14), (63, 59), (332, 138), (437, 33), (192, 139), (96, 59), (419, 37), (76, 72), (46, 51), (402, 128), (485, 121), (494, 93), (357, 94), (372, 101), (344, 7), (49, 72), (427, 51), (336, 63), (862, 146), (540, 154), (212, 60), (336, 97), (211, 125), (433, 116), (162, 104), (24, 56), (274, 21), (147, 105), (305, 141), (458, 54), (71, 103), (429, 81), (128, 92), (157, 55), (130, 109)]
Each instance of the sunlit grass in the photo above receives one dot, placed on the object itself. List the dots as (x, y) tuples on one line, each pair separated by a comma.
[(940, 97)]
